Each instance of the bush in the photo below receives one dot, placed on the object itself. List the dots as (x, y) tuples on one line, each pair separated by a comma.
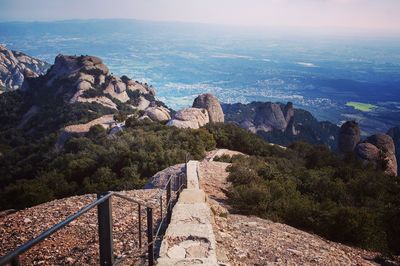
[(339, 199)]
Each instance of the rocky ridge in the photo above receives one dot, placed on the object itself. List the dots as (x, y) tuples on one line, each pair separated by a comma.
[(16, 66), (87, 79), (281, 123)]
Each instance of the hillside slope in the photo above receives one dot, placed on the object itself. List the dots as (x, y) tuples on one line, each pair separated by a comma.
[(241, 240), (249, 240)]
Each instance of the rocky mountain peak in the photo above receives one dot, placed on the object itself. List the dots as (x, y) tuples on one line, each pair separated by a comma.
[(16, 66), (88, 79)]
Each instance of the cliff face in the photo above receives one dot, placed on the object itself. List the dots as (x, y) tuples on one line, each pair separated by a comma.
[(281, 124), (16, 66)]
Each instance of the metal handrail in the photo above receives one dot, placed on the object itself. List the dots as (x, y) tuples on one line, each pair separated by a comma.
[(13, 254), (12, 257), (131, 200)]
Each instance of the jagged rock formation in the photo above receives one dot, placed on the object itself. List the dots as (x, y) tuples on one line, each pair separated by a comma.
[(281, 124), (270, 116), (206, 109), (83, 84), (87, 79), (349, 136), (190, 118), (266, 117), (211, 104), (378, 149), (16, 66)]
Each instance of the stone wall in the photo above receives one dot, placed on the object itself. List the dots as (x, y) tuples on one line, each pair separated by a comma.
[(189, 238)]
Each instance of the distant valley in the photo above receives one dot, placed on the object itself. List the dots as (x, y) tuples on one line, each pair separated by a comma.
[(317, 75)]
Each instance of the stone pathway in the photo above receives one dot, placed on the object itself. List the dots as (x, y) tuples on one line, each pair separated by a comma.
[(190, 239)]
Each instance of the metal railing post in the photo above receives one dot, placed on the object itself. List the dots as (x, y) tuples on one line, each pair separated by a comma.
[(104, 212), (140, 225), (161, 207), (168, 201), (15, 261), (150, 235)]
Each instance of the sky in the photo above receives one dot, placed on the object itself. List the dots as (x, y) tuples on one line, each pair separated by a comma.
[(374, 15)]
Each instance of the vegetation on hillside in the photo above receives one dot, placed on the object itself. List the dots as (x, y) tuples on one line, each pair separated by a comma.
[(35, 173), (306, 186), (311, 188)]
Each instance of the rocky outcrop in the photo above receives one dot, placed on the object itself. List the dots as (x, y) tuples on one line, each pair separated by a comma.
[(379, 149), (349, 136), (206, 109), (386, 145), (157, 113), (211, 104), (190, 118), (281, 124), (16, 66), (87, 79), (367, 151), (288, 112), (269, 117)]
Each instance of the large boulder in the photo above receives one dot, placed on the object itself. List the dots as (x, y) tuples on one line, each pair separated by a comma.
[(158, 113), (190, 118), (379, 149), (211, 104), (368, 152), (269, 116), (349, 136), (385, 143)]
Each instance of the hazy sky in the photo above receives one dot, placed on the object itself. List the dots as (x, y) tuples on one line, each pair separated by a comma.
[(366, 14)]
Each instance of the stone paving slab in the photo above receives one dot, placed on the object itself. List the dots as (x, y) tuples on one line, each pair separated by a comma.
[(192, 196), (189, 239)]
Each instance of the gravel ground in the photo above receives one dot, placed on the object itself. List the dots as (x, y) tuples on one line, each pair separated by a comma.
[(77, 243)]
